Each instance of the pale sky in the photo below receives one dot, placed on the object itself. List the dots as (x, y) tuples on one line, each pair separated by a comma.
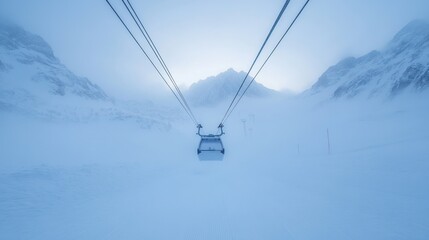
[(198, 39)]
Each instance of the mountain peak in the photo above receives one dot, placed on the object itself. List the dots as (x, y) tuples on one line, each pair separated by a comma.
[(230, 73), (230, 70), (41, 74), (223, 86), (13, 37), (411, 35), (415, 27), (403, 64)]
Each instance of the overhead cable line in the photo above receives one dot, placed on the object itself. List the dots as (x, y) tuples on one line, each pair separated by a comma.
[(256, 58), (266, 60), (152, 45), (150, 60)]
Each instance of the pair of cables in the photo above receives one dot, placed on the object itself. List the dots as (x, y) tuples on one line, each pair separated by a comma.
[(174, 88), (169, 80), (237, 98)]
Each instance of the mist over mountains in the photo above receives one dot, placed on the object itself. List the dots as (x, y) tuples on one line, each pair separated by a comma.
[(402, 66), (33, 81), (97, 167), (223, 87), (28, 57)]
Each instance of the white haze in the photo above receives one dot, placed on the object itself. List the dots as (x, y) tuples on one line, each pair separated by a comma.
[(348, 159), (114, 180)]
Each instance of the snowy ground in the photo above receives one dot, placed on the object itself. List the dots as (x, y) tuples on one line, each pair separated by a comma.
[(112, 180)]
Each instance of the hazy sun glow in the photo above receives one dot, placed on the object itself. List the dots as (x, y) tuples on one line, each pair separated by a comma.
[(203, 38)]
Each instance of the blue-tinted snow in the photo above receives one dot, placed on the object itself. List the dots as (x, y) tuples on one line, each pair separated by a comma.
[(119, 181), (76, 167)]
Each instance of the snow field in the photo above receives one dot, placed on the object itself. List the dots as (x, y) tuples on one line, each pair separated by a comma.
[(113, 180)]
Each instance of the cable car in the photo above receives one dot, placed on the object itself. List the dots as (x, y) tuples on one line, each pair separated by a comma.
[(210, 147)]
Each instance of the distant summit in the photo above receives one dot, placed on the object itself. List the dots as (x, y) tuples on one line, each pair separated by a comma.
[(403, 65), (222, 87)]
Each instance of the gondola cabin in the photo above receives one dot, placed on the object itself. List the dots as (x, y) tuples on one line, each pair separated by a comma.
[(210, 148)]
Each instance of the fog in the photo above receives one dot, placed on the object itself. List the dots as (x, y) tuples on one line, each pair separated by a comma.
[(200, 39), (93, 145), (278, 179)]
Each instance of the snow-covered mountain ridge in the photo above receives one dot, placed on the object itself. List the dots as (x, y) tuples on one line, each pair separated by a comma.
[(27, 60), (34, 82), (403, 65), (223, 86)]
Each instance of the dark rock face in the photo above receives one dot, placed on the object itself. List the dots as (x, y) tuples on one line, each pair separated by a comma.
[(402, 65), (409, 76), (423, 80), (353, 87)]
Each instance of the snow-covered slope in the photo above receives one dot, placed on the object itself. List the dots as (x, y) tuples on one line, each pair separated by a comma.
[(34, 82), (213, 90), (29, 69), (292, 170), (403, 65)]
